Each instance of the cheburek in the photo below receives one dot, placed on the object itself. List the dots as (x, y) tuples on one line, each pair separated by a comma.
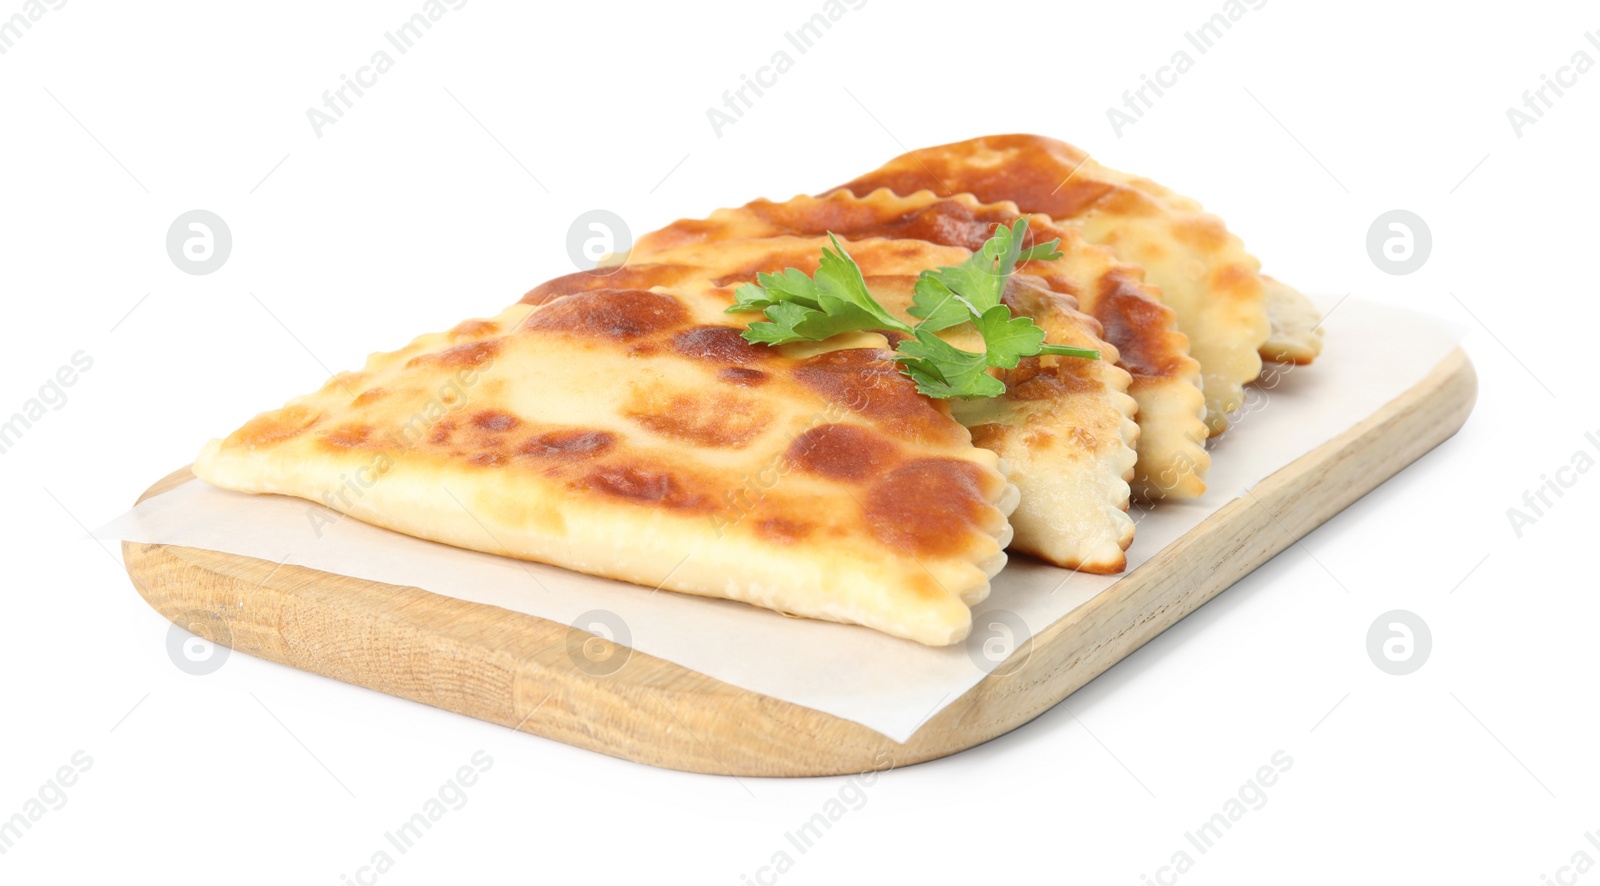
[(1296, 325), (628, 431), (1064, 426), (1202, 270), (1172, 459)]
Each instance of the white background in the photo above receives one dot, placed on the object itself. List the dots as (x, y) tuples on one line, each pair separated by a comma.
[(446, 192)]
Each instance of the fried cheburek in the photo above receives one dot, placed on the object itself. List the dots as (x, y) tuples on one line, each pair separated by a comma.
[(1231, 314)]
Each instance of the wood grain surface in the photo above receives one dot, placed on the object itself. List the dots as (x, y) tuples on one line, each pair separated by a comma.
[(514, 669)]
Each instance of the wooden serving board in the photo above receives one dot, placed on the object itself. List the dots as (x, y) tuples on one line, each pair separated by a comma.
[(514, 669)]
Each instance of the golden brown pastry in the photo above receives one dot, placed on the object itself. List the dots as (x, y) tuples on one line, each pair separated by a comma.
[(1202, 271), (627, 430), (1064, 428), (1172, 459)]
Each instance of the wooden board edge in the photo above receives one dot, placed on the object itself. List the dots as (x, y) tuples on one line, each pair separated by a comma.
[(518, 670)]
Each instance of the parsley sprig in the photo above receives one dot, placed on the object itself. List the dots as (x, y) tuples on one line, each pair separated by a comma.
[(835, 300)]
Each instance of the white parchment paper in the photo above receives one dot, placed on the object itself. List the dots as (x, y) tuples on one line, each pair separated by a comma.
[(1373, 354)]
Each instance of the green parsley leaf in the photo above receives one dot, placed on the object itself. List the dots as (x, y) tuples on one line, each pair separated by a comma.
[(836, 300), (790, 286), (1041, 252), (981, 279), (1007, 339), (936, 305), (839, 282), (801, 308), (942, 370)]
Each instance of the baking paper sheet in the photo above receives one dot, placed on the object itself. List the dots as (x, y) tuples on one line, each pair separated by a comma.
[(1373, 354)]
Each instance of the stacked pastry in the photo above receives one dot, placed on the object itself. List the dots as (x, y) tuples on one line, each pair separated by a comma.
[(625, 424)]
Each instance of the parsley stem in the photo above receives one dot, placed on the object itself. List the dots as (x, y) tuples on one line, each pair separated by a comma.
[(1069, 351)]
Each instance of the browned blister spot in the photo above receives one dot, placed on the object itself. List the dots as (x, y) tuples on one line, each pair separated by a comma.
[(993, 437), (348, 436), (461, 356), (1038, 189), (704, 418), (620, 315), (640, 276), (680, 232), (773, 261), (811, 220), (276, 426), (1140, 327), (742, 376), (568, 444), (929, 506), (944, 223), (868, 382), (783, 530), (721, 344), (1127, 202), (843, 452), (495, 420), (368, 397), (1033, 380), (1083, 439), (1235, 278), (442, 432), (473, 329), (1076, 197), (1206, 233), (646, 485)]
